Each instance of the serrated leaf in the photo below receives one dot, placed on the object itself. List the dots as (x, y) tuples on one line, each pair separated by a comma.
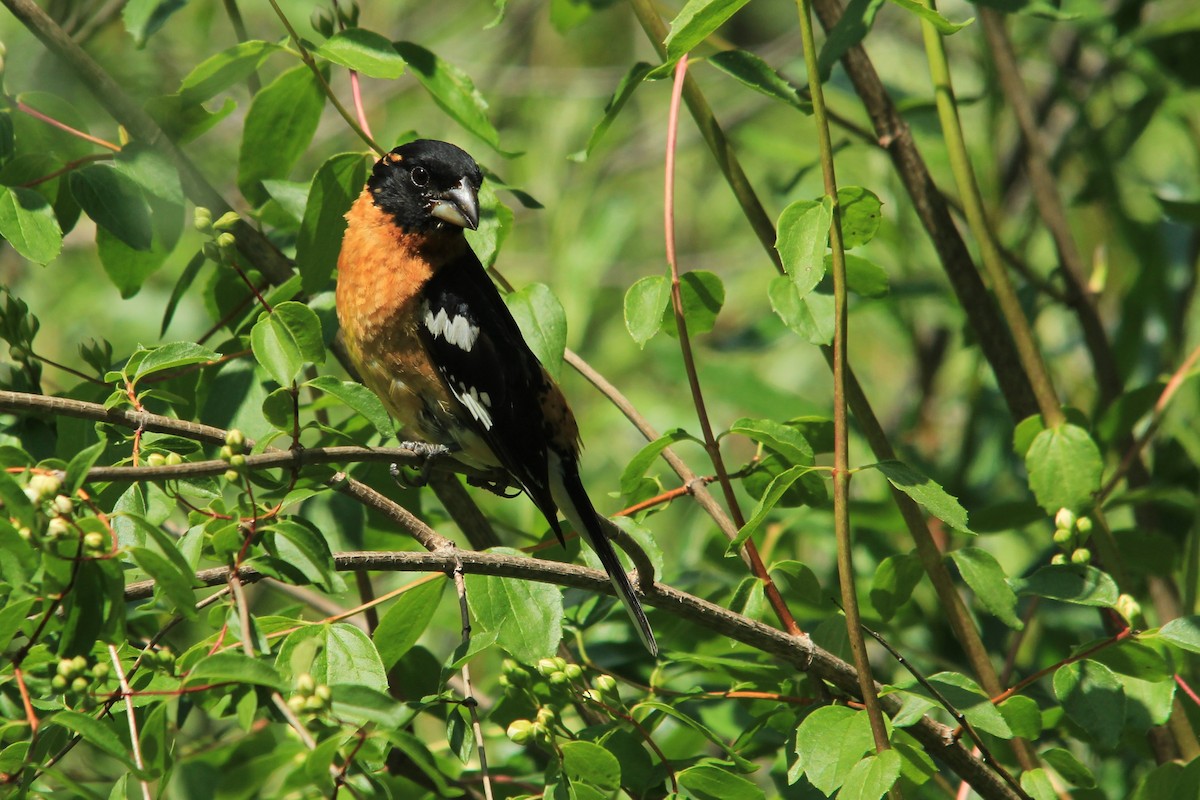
[(359, 398), (872, 777), (543, 323), (983, 574), (231, 666), (641, 461), (1093, 697), (402, 625), (309, 552), (783, 439), (363, 51), (646, 301), (966, 696), (1037, 785), (830, 742), (452, 90), (219, 72), (810, 316), (27, 222), (696, 22), (279, 126), (1023, 716), (803, 234), (170, 356), (114, 202), (931, 496), (1071, 583), (287, 338), (526, 616), (766, 504), (337, 184), (1064, 466), (750, 70), (860, 209)]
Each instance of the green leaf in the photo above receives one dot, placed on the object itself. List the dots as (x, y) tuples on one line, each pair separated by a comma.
[(344, 655), (893, 583), (1023, 716), (170, 356), (864, 278), (452, 90), (741, 763), (767, 503), (114, 202), (646, 303), (219, 72), (362, 704), (641, 462), (360, 399), (309, 552), (702, 294), (750, 70), (27, 222), (810, 316), (80, 463), (233, 667), (983, 574), (285, 339), (931, 496), (872, 777), (143, 18), (337, 184), (1037, 785), (1183, 632), (495, 221), (1071, 583), (543, 323), (591, 764), (175, 584), (860, 215), (632, 79), (696, 22), (803, 234), (363, 51), (152, 171), (525, 616), (402, 625), (850, 29), (279, 126), (830, 742), (1069, 767), (783, 439), (710, 782), (12, 617), (944, 26), (1093, 697), (966, 696), (101, 735), (128, 268), (1064, 466)]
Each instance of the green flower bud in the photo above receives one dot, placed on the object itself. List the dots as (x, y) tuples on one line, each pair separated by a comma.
[(1081, 555), (62, 505), (1064, 537), (156, 460), (605, 685), (65, 667), (1059, 558), (80, 685), (58, 683), (57, 528), (227, 221), (1084, 526), (174, 459), (324, 692), (236, 439), (574, 671), (100, 671), (202, 219), (305, 684), (226, 241), (546, 666), (520, 731), (232, 475), (558, 678), (296, 703), (1065, 518), (547, 716), (94, 541), (1128, 608)]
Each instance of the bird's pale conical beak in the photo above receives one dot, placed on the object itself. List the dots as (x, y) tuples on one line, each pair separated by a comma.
[(458, 205)]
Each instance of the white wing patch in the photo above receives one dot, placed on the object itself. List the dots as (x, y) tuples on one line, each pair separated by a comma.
[(457, 329), (477, 403)]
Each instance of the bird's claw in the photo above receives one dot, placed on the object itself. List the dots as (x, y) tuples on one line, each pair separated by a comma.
[(419, 476)]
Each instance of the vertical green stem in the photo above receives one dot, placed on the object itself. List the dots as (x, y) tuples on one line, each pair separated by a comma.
[(960, 163), (841, 439)]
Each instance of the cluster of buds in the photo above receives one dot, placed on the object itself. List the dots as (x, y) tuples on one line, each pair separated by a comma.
[(1070, 535), (233, 453), (560, 682), (222, 242), (324, 23), (44, 490), (310, 697), (74, 678)]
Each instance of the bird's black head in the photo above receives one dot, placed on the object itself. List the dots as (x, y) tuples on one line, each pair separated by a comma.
[(426, 185)]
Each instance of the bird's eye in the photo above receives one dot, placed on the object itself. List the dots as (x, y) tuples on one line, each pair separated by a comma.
[(420, 176)]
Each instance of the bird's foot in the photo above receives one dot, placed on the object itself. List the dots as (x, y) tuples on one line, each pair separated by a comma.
[(417, 477), (497, 487)]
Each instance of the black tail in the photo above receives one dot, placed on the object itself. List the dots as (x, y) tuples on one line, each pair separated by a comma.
[(577, 507)]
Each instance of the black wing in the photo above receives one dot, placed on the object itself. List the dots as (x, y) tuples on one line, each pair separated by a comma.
[(490, 370)]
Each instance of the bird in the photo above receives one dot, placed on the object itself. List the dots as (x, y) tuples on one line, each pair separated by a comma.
[(429, 333)]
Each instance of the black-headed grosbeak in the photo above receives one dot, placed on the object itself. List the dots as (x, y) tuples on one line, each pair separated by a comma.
[(429, 333)]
